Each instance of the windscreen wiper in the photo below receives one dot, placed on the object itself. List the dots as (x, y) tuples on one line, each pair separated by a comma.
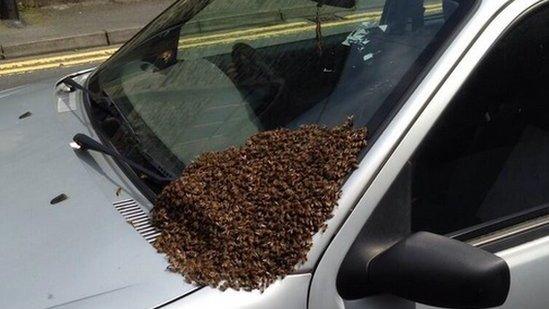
[(83, 142), (113, 110)]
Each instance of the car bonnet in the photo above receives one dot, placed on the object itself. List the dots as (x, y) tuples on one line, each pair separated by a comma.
[(80, 252)]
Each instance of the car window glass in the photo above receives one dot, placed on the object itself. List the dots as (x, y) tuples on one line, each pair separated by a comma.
[(488, 155), (206, 79)]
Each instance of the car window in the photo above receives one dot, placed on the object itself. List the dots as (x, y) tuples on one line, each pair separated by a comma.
[(487, 157), (206, 75)]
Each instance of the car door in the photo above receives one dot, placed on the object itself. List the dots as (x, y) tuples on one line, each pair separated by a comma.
[(468, 162)]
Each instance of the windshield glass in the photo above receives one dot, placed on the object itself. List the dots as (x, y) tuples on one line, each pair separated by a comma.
[(205, 75)]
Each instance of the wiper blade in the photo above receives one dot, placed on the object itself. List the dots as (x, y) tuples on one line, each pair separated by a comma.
[(83, 142)]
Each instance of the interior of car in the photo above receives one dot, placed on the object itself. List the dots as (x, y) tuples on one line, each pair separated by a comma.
[(230, 96)]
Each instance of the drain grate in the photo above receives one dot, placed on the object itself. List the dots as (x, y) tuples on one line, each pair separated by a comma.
[(135, 216)]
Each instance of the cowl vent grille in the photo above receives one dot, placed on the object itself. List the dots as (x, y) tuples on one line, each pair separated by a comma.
[(136, 217)]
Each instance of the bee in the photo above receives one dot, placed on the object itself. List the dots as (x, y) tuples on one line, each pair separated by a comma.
[(244, 217)]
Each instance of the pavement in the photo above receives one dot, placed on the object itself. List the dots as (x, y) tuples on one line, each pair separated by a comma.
[(69, 27)]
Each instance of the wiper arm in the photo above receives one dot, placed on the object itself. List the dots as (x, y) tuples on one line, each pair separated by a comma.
[(83, 142), (96, 97), (74, 85), (113, 110)]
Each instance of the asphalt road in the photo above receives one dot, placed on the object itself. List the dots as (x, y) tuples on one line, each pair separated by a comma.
[(10, 81)]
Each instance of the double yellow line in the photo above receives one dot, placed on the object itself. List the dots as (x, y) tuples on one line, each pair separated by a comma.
[(77, 58), (64, 60), (285, 29)]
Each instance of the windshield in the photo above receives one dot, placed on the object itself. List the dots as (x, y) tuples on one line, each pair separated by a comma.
[(206, 75)]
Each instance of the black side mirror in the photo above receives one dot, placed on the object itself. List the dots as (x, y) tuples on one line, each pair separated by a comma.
[(337, 3), (438, 271)]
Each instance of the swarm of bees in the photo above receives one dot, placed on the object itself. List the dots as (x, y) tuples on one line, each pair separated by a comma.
[(244, 217)]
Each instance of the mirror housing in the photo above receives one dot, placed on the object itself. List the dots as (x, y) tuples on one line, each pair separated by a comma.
[(439, 271), (337, 3)]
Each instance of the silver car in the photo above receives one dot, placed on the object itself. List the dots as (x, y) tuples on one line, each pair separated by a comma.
[(449, 206)]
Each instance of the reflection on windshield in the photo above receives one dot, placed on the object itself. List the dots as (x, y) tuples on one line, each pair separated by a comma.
[(205, 77)]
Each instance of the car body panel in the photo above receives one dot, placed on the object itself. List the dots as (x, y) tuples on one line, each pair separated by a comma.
[(288, 293), (80, 252), (354, 188), (403, 135), (529, 273), (84, 255)]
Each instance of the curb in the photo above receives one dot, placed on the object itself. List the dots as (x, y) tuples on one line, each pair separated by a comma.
[(121, 35), (84, 41)]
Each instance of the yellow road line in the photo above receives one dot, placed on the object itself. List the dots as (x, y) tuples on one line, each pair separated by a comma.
[(245, 32), (78, 58), (62, 57), (431, 8), (64, 63), (292, 28), (263, 34), (93, 56), (53, 62)]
